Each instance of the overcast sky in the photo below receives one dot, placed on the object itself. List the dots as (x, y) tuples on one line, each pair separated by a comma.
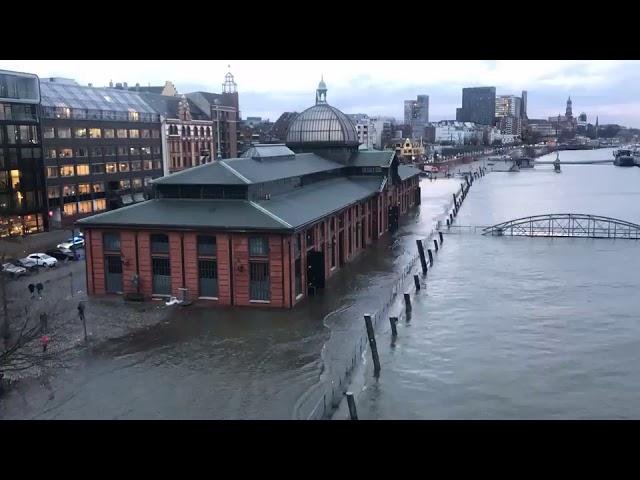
[(607, 88)]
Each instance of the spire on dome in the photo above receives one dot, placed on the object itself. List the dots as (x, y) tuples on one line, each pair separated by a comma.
[(321, 92)]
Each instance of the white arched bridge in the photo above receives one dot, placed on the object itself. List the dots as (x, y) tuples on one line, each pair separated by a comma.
[(566, 225)]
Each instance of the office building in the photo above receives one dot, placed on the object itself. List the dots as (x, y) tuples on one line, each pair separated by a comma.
[(479, 105)]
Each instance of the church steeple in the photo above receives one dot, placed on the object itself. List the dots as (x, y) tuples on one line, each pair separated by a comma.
[(569, 112), (321, 92)]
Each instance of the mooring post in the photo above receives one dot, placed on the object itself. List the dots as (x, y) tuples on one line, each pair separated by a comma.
[(435, 244), (448, 225), (353, 414), (430, 257), (416, 280), (372, 344), (394, 330), (441, 238), (423, 261), (407, 302), (451, 218)]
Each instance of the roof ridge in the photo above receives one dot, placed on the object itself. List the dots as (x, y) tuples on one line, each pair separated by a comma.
[(270, 214), (235, 172)]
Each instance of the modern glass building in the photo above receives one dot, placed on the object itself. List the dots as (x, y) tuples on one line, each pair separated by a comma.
[(479, 105), (22, 183), (102, 147)]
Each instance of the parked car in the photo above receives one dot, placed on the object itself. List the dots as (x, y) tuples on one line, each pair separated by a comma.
[(77, 242), (13, 270), (28, 263), (60, 254), (44, 260)]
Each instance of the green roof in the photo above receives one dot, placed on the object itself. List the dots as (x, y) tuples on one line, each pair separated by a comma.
[(189, 213), (372, 158), (405, 171)]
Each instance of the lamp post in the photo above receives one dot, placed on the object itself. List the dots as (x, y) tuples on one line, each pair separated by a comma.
[(217, 104)]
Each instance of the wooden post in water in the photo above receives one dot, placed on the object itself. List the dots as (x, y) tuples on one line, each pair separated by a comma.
[(430, 257), (451, 218), (353, 414), (407, 302), (372, 344), (394, 330), (435, 244), (441, 238), (423, 261), (448, 225), (416, 280)]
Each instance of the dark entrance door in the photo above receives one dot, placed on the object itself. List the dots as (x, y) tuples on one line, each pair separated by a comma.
[(341, 248), (315, 269), (394, 214), (113, 273), (161, 282)]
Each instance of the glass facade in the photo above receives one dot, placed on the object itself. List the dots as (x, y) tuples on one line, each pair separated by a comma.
[(22, 183)]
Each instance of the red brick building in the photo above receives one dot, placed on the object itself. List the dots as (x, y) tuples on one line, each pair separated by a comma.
[(265, 229)]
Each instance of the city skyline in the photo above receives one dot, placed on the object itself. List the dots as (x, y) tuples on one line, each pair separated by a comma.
[(598, 88)]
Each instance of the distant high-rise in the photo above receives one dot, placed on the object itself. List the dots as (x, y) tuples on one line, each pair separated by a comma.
[(508, 106), (523, 104), (479, 105), (416, 114)]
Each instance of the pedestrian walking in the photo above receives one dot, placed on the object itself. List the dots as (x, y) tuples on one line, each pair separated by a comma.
[(39, 288), (43, 322), (81, 310), (31, 288), (45, 341)]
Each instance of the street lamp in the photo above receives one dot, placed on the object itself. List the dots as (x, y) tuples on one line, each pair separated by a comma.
[(217, 104)]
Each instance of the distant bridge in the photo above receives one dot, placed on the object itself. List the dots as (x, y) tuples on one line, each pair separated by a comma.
[(566, 225)]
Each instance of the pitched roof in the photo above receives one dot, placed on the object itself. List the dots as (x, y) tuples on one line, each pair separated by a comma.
[(189, 213), (405, 171), (251, 170), (372, 158), (168, 106), (320, 199)]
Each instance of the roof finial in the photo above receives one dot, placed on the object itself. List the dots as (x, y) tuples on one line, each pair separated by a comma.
[(321, 92)]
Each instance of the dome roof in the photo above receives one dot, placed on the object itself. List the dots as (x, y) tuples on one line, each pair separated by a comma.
[(322, 123)]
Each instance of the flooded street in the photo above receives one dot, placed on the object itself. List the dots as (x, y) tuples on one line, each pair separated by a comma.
[(522, 328), (241, 363)]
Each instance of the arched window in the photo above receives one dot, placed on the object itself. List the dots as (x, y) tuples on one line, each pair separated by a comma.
[(184, 131), (202, 131), (208, 132), (188, 131), (195, 131)]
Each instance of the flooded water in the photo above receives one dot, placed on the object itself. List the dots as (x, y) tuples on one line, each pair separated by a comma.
[(522, 328)]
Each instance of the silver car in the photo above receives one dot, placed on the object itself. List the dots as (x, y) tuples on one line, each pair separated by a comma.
[(14, 270)]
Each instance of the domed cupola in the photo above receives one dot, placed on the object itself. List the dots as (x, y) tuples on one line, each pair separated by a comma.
[(322, 126)]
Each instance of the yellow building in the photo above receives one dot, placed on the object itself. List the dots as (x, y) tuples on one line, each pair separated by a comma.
[(409, 151)]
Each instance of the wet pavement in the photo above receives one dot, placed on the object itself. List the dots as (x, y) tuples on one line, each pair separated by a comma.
[(209, 363)]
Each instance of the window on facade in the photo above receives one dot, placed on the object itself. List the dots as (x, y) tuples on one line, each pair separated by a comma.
[(28, 134), (134, 133), (206, 246), (125, 183), (63, 132), (47, 132), (80, 132), (99, 204), (121, 133), (146, 150), (98, 187), (108, 151), (52, 172), (85, 206), (156, 150), (95, 133), (258, 246), (111, 242), (134, 151), (148, 164), (53, 192), (123, 166), (159, 243), (136, 182), (108, 133), (51, 153), (95, 152), (68, 190), (155, 133), (84, 188), (12, 134), (136, 166), (80, 152), (65, 153), (123, 151), (97, 168), (145, 133), (66, 171), (147, 181), (70, 209), (112, 167), (157, 165), (82, 169)]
